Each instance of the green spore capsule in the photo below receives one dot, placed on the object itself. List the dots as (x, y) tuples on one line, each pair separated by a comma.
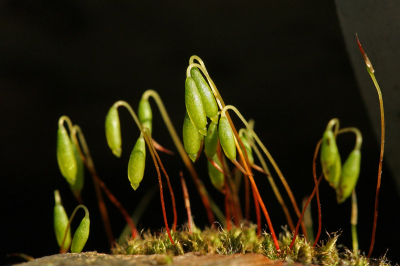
[(80, 174), (349, 178), (61, 222), (81, 234), (65, 156), (191, 138), (227, 138), (194, 106), (207, 97), (145, 114), (330, 159), (113, 131), (217, 178), (211, 140), (137, 163), (248, 149)]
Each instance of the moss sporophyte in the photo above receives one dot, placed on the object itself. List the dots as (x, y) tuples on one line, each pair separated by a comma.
[(207, 125)]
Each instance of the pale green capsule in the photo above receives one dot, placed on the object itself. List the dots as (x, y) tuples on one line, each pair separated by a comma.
[(211, 140), (113, 131), (217, 178), (349, 178), (248, 150), (137, 163), (65, 156), (80, 174), (194, 106), (207, 96), (227, 138), (81, 235), (330, 159), (145, 114), (191, 138), (61, 222)]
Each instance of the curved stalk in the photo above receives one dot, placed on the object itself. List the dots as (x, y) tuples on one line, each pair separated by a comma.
[(66, 119), (90, 167), (208, 203), (69, 224), (356, 132), (152, 152), (371, 72), (88, 161)]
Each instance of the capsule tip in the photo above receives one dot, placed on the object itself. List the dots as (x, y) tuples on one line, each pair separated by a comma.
[(135, 185), (193, 157), (203, 131), (117, 152), (214, 119)]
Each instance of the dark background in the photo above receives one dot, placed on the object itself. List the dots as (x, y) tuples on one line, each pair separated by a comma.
[(283, 64)]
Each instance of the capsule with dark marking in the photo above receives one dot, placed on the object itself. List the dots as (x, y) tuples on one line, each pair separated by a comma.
[(330, 159)]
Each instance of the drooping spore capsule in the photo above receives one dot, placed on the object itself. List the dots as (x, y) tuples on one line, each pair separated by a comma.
[(349, 177), (80, 176), (137, 163), (248, 149), (65, 155), (81, 235), (191, 138), (61, 222), (211, 140), (227, 138), (330, 159), (207, 96), (194, 106), (217, 178), (145, 114), (113, 131)]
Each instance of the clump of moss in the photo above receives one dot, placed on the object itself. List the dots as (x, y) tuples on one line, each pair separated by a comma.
[(244, 239)]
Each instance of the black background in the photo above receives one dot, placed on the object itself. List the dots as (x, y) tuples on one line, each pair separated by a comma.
[(283, 64)]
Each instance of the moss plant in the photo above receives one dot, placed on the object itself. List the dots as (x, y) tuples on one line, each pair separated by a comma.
[(208, 126), (242, 240)]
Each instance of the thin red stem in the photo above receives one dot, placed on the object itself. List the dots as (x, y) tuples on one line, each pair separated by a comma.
[(304, 210), (103, 210), (317, 191), (170, 190), (187, 202), (247, 198), (117, 204), (227, 207), (152, 152)]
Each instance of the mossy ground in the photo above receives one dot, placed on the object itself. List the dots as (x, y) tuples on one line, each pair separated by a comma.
[(244, 239)]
